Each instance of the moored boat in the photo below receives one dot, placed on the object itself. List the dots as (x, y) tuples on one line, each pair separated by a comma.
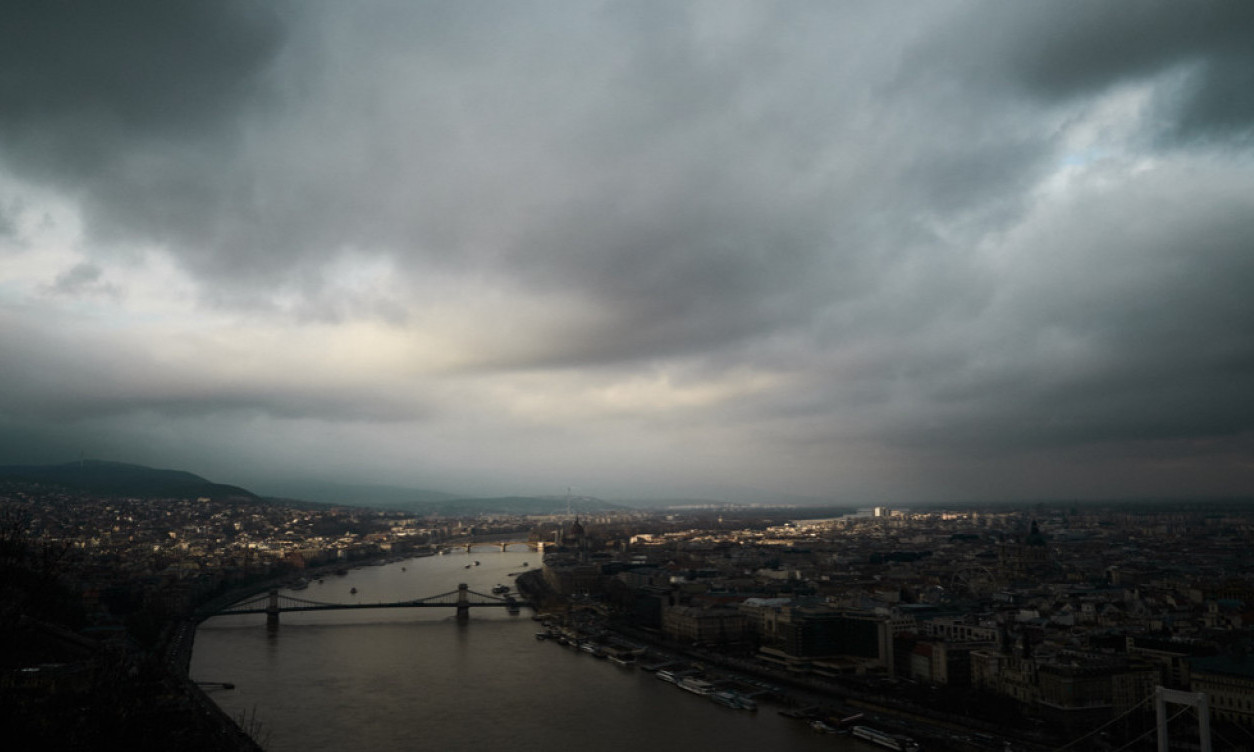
[(886, 740), (733, 700), (622, 658), (696, 686)]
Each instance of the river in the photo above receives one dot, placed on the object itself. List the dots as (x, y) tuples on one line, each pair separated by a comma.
[(415, 679)]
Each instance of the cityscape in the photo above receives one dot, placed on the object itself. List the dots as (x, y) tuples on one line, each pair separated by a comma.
[(621, 375), (965, 627)]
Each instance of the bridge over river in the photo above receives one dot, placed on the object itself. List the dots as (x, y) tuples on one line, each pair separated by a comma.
[(463, 599)]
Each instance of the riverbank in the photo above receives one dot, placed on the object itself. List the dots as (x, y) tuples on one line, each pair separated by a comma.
[(824, 697)]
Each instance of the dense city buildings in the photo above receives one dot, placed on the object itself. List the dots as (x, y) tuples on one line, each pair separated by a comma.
[(1061, 618)]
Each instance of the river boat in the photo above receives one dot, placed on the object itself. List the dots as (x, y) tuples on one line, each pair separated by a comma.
[(801, 714), (885, 740), (666, 676), (733, 700), (620, 659), (696, 686), (499, 589), (352, 591)]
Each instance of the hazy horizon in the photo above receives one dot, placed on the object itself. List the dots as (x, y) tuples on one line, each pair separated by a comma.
[(862, 252)]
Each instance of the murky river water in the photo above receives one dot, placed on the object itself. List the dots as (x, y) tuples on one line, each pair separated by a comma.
[(415, 679)]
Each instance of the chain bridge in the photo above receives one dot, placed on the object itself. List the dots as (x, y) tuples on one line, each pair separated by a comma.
[(463, 599)]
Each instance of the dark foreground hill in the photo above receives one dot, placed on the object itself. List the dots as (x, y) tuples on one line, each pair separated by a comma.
[(119, 479)]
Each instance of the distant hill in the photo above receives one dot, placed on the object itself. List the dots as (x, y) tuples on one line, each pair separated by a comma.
[(356, 495), (117, 479), (431, 503)]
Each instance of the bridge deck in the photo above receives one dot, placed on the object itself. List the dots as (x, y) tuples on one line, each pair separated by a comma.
[(344, 606), (461, 599)]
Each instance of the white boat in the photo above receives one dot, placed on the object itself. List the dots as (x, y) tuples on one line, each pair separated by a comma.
[(696, 686), (888, 741)]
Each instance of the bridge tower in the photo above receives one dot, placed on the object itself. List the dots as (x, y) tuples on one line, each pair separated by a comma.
[(1200, 703), (272, 610), (463, 602)]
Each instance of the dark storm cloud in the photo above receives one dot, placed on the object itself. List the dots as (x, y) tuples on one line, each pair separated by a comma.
[(938, 232), (697, 192), (9, 211), (84, 83), (1123, 318), (1073, 49), (134, 108), (726, 198)]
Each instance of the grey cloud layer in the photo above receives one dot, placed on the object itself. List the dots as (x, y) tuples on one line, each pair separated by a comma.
[(851, 199)]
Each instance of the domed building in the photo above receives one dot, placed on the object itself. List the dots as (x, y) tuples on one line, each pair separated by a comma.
[(574, 535)]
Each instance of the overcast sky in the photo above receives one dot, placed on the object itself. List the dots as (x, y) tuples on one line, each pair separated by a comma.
[(863, 251)]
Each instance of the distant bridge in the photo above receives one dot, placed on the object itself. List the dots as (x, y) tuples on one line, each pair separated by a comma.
[(503, 545), (272, 604)]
